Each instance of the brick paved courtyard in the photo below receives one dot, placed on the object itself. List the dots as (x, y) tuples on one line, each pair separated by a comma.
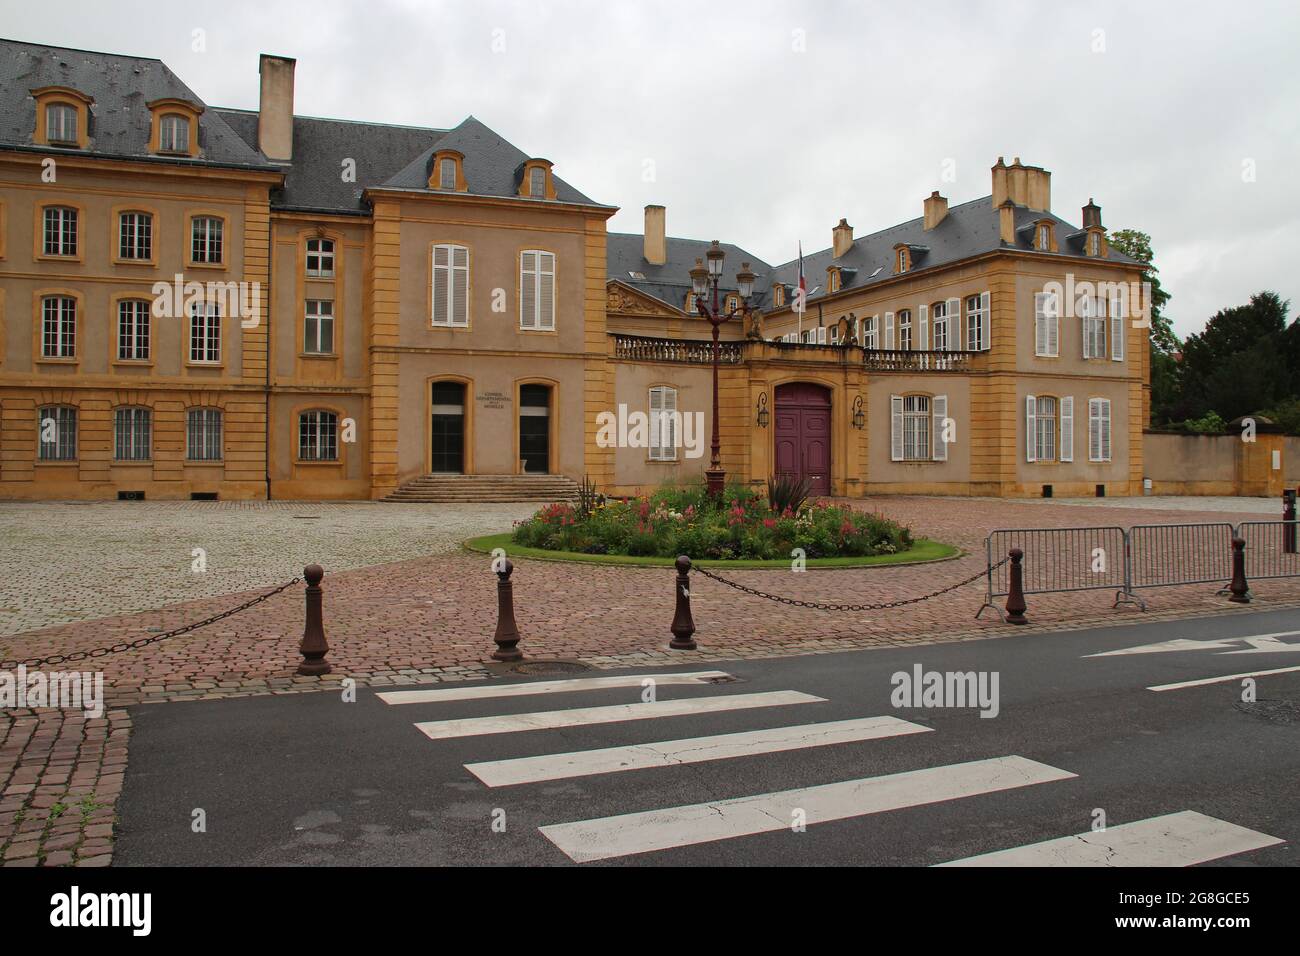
[(403, 603)]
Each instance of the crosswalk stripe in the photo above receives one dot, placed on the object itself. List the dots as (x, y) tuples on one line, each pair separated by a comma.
[(505, 723), (1176, 839), (1205, 681), (585, 763), (630, 833), (482, 691)]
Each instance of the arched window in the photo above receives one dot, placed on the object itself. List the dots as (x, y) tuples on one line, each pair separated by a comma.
[(206, 245), (318, 433), (537, 182), (135, 236), (320, 258), (133, 330), (60, 231), (1049, 428), (61, 124), (132, 431), (916, 427), (203, 434), (174, 133), (665, 425), (905, 329), (58, 327)]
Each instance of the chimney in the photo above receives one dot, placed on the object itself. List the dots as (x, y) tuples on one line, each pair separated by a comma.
[(1019, 183), (1007, 222), (841, 239), (936, 208), (1091, 215), (1038, 188), (656, 242), (275, 107), (1001, 187)]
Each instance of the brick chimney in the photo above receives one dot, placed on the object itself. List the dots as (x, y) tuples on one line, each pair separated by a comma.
[(1028, 186), (656, 237), (1091, 215), (275, 107), (936, 208), (1001, 186), (1007, 222), (841, 239)]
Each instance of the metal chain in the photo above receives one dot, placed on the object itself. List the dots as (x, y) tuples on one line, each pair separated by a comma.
[(144, 641), (794, 602)]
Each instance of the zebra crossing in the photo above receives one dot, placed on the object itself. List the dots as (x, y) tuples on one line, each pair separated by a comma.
[(1182, 838)]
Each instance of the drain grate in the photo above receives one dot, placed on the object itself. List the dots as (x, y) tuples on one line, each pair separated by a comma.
[(550, 667)]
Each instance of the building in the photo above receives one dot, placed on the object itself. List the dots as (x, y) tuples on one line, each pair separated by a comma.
[(198, 302)]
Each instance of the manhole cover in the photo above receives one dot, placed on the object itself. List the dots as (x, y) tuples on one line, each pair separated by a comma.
[(1273, 711), (550, 667)]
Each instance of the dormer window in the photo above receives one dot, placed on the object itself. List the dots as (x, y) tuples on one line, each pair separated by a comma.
[(61, 124), (1044, 240), (174, 134), (902, 259), (778, 296), (690, 302), (535, 180), (447, 171), (733, 302), (1096, 244), (833, 280)]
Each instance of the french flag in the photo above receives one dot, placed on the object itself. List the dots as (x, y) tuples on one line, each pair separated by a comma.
[(801, 294)]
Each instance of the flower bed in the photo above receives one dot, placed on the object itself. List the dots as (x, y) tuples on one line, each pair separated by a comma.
[(741, 526)]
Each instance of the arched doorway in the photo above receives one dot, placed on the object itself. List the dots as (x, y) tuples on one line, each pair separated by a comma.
[(447, 428), (803, 433), (535, 428)]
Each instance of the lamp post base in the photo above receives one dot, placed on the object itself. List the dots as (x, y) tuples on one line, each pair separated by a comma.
[(717, 481)]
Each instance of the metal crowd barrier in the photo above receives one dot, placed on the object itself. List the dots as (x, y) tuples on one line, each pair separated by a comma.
[(1271, 548)]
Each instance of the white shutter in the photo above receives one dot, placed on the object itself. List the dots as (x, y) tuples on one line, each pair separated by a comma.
[(1031, 427), (459, 286), (940, 408), (1040, 323), (1067, 428), (656, 421), (441, 277), (889, 330), (1053, 324), (1105, 429), (546, 290), (1094, 429), (875, 331), (1084, 307), (986, 324), (923, 329), (821, 335), (955, 341), (895, 426), (528, 290), (1116, 330), (669, 403)]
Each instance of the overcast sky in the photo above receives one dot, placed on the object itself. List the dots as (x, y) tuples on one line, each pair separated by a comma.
[(763, 123)]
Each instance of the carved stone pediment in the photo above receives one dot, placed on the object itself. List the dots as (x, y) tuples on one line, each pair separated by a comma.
[(628, 301)]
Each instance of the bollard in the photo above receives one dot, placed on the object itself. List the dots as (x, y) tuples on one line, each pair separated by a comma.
[(507, 635), (313, 647), (683, 624), (1016, 592), (1288, 514), (1239, 588)]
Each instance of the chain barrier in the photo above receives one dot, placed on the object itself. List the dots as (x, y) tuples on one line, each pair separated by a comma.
[(144, 641), (817, 605)]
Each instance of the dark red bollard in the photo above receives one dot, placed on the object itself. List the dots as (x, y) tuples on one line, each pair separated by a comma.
[(313, 646), (1239, 588), (1016, 606), (683, 624), (1288, 515), (507, 635)]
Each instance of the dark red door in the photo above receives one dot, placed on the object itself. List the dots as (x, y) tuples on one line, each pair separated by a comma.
[(803, 434)]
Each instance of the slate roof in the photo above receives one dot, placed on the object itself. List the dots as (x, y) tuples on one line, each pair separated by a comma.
[(671, 281), (119, 117)]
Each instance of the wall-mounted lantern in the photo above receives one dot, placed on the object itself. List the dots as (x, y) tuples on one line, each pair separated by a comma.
[(859, 417), (762, 415)]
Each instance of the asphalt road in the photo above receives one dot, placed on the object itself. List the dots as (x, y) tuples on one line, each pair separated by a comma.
[(311, 780)]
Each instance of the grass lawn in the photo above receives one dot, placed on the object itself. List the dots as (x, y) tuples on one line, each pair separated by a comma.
[(923, 550)]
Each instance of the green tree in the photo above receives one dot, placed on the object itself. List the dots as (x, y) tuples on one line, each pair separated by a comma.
[(1242, 362), (1164, 344)]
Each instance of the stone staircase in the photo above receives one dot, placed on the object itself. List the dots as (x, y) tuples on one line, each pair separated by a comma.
[(487, 488)]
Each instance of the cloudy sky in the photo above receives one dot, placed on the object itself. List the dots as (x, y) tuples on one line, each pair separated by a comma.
[(763, 122)]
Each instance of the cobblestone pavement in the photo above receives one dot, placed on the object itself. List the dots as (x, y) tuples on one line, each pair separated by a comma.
[(431, 617), (66, 561)]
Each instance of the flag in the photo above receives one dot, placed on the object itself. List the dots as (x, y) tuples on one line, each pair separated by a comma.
[(801, 295)]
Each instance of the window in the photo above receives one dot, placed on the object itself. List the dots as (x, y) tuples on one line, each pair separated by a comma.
[(690, 302), (1044, 242), (537, 285), (60, 231), (905, 329), (916, 427), (537, 182), (1092, 313), (205, 247), (203, 434), (131, 433), (1047, 438), (732, 302), (61, 124), (318, 436), (778, 296), (833, 280), (1047, 324), (939, 313), (663, 423), (977, 322), (1099, 429), (58, 327), (205, 332), (1118, 312), (320, 258), (450, 286), (870, 325), (1094, 244), (57, 426), (318, 331), (135, 236), (174, 134), (133, 330), (902, 260), (447, 173)]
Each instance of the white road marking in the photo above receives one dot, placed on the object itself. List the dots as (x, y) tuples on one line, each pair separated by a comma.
[(1262, 643), (483, 691), (506, 723), (1222, 680), (607, 837), (669, 753), (1176, 839)]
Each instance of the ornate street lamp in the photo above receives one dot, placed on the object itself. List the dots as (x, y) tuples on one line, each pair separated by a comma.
[(705, 279)]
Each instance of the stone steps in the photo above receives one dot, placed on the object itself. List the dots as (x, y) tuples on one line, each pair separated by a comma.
[(486, 488)]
